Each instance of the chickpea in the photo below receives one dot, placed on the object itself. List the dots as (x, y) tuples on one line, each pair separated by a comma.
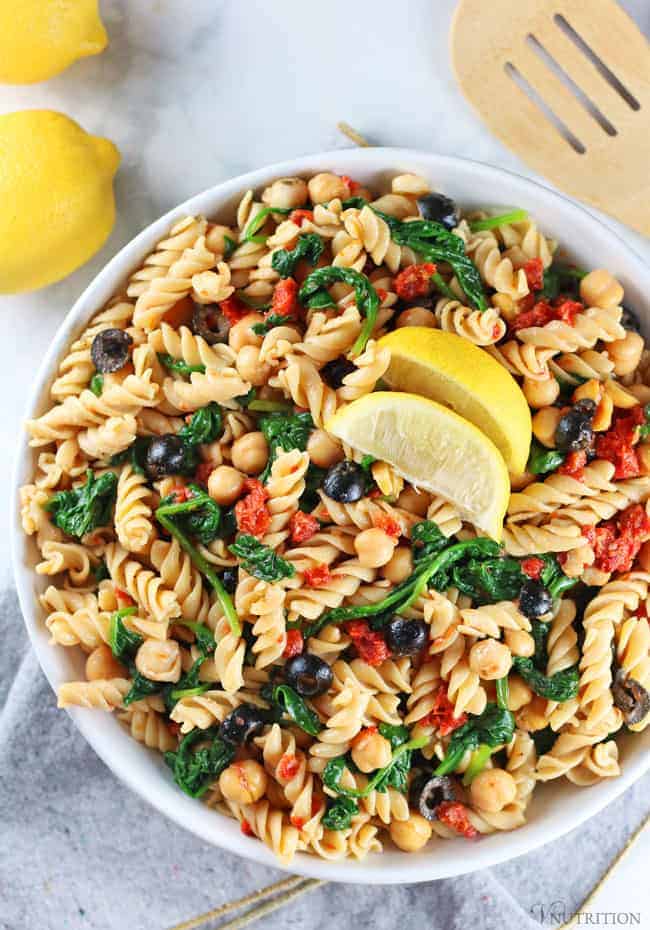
[(396, 205), (323, 450), (225, 485), (159, 660), (492, 790), (243, 782), (532, 716), (416, 502), (286, 193), (327, 186), (490, 659), (412, 834), (371, 751), (544, 425), (643, 455), (400, 566), (601, 289), (215, 238), (250, 453), (541, 393), (626, 353), (644, 556), (374, 547), (249, 367), (241, 334), (416, 316), (519, 643), (412, 185), (101, 663), (519, 693), (212, 453), (641, 392)]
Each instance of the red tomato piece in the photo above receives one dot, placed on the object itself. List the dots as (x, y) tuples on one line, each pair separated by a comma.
[(616, 542), (246, 828), (574, 465), (203, 472), (370, 644), (288, 766), (124, 596), (617, 444), (251, 512), (233, 309), (534, 271), (388, 524), (295, 644), (299, 216), (543, 312), (441, 715), (285, 298), (566, 310), (455, 815), (318, 576), (382, 294), (533, 567), (414, 281), (302, 526), (297, 822)]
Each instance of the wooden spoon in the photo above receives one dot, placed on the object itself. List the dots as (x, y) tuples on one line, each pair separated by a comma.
[(566, 85)]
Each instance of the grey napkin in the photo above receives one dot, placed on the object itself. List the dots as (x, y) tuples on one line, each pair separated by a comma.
[(78, 851)]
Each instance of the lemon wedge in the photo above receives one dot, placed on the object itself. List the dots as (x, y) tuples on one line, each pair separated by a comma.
[(447, 368), (433, 448)]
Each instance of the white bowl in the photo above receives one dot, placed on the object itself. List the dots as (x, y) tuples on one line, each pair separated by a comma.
[(558, 806)]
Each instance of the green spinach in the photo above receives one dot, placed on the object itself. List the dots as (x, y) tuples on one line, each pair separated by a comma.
[(563, 686), (271, 321), (259, 220), (195, 770), (83, 509), (136, 455), (366, 297), (494, 727), (541, 460), (199, 516), (178, 365), (260, 560), (97, 384), (205, 425), (290, 703), (394, 775), (493, 222), (339, 813), (284, 432), (309, 247)]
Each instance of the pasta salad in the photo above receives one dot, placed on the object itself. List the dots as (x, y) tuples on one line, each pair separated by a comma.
[(320, 649)]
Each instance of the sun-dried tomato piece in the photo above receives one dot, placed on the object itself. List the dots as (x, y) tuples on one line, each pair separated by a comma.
[(534, 271), (533, 567), (234, 309), (285, 298), (299, 216), (617, 444), (124, 596), (288, 766), (574, 465), (246, 828), (295, 644), (318, 576), (414, 281), (388, 524), (251, 512), (370, 644), (566, 310), (616, 542), (441, 715), (455, 815), (203, 472), (543, 313), (302, 526)]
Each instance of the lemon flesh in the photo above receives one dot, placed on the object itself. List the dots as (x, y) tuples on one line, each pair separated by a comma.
[(433, 448), (447, 368), (39, 38), (56, 191)]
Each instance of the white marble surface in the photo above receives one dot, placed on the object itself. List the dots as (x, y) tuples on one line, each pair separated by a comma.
[(197, 91)]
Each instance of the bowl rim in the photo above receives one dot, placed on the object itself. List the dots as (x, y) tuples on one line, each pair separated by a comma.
[(389, 867)]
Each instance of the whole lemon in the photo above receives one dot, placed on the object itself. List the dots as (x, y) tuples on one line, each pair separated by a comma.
[(40, 38), (57, 197)]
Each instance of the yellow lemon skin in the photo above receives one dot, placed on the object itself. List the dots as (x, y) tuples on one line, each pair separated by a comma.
[(56, 191), (447, 368), (41, 38)]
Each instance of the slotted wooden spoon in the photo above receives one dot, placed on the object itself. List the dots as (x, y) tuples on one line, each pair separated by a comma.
[(566, 85)]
